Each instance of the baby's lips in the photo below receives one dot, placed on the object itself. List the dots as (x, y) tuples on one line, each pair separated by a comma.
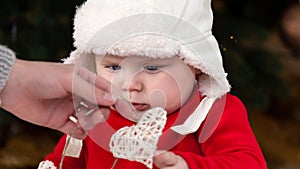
[(140, 106)]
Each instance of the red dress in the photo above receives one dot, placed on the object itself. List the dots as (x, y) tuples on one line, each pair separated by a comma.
[(231, 145)]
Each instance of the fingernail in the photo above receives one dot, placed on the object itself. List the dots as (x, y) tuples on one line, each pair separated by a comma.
[(107, 97)]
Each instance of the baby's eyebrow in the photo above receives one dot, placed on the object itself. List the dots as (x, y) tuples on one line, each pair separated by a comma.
[(111, 59)]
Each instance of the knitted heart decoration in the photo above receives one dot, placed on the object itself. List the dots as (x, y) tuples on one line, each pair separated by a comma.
[(138, 142)]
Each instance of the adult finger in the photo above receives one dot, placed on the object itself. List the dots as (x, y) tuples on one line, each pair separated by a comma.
[(61, 117), (92, 78), (92, 88), (73, 129), (96, 116)]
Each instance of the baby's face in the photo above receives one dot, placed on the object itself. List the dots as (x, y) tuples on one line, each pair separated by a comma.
[(147, 83)]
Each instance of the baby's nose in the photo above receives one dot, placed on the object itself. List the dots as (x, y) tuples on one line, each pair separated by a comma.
[(132, 83)]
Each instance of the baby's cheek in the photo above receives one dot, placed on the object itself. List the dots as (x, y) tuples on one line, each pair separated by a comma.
[(173, 104), (158, 98)]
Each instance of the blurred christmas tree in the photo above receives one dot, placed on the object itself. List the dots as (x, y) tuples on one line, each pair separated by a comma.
[(38, 30), (242, 28)]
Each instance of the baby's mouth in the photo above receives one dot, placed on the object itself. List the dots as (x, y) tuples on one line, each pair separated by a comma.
[(130, 110), (141, 106)]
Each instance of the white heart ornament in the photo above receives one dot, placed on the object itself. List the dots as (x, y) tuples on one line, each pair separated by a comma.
[(139, 142), (46, 165)]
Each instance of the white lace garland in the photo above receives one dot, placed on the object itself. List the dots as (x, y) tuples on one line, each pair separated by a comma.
[(139, 142)]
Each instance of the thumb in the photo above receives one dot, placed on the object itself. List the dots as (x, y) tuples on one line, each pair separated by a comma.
[(165, 158)]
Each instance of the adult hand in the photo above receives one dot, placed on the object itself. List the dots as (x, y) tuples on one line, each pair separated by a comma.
[(41, 93), (169, 160)]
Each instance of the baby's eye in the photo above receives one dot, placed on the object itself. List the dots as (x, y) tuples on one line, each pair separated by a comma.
[(114, 67), (151, 68)]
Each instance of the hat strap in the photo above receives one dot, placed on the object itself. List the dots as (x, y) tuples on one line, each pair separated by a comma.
[(194, 121)]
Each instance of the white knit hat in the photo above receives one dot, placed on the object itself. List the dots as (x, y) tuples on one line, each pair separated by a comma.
[(155, 29)]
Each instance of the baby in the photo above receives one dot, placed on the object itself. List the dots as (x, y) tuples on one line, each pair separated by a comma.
[(159, 54)]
